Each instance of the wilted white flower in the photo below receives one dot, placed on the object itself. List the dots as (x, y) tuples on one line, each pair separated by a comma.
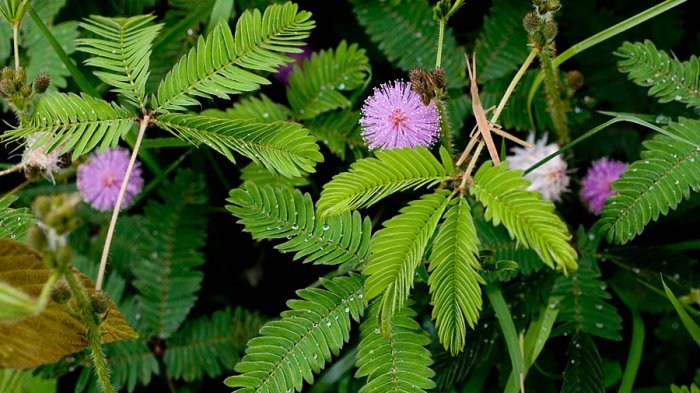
[(550, 179), (36, 160)]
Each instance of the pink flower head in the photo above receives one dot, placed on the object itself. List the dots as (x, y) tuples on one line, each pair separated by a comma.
[(100, 178), (595, 186), (283, 72), (394, 116)]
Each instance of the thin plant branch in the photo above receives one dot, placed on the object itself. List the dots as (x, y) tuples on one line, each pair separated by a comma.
[(115, 214)]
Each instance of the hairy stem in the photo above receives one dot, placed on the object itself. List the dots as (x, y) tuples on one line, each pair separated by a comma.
[(445, 131), (94, 335), (120, 198), (12, 169), (15, 31), (493, 292), (635, 355), (556, 106)]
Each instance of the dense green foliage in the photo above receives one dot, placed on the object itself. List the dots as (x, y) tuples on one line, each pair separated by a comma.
[(421, 269)]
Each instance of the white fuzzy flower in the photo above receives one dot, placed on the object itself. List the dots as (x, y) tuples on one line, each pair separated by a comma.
[(37, 160), (550, 179)]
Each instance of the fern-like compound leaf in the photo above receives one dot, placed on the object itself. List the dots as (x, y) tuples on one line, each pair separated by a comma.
[(166, 276), (290, 350), (339, 131), (669, 79), (216, 343), (122, 51), (318, 86), (584, 368), (260, 108), (282, 213), (454, 277), (398, 361), (13, 222), (502, 45), (71, 122), (406, 33), (397, 250), (257, 174), (666, 173), (223, 63), (527, 217), (282, 147), (372, 179), (585, 305)]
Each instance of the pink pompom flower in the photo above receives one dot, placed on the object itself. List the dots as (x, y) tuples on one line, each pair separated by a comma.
[(595, 186), (394, 116), (100, 178)]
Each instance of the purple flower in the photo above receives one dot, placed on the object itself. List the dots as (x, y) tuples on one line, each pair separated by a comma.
[(283, 72), (394, 116), (100, 178), (595, 186)]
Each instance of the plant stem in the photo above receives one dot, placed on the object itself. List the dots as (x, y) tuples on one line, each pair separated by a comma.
[(598, 38), (493, 292), (445, 131), (12, 169), (441, 37), (78, 76), (635, 354), (15, 31), (497, 113), (99, 360), (555, 105), (113, 222)]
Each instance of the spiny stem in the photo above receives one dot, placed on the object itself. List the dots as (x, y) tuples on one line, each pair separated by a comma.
[(15, 30), (93, 333), (120, 198), (441, 36)]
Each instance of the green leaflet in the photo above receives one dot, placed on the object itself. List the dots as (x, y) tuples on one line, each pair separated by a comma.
[(14, 222), (223, 63), (372, 179), (123, 52), (397, 250), (216, 343), (71, 122), (166, 275), (259, 108), (454, 279), (666, 173), (584, 305), (317, 87), (280, 213), (584, 368), (406, 33), (290, 350), (282, 147), (398, 360), (528, 218), (669, 79)]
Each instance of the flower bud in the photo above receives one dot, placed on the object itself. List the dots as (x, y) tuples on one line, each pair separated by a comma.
[(99, 301), (531, 22), (574, 80), (61, 292), (550, 30), (439, 78), (7, 73), (41, 83), (20, 77), (26, 91), (36, 238)]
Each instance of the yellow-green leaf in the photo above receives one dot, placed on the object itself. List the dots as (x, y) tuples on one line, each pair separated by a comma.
[(55, 332)]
